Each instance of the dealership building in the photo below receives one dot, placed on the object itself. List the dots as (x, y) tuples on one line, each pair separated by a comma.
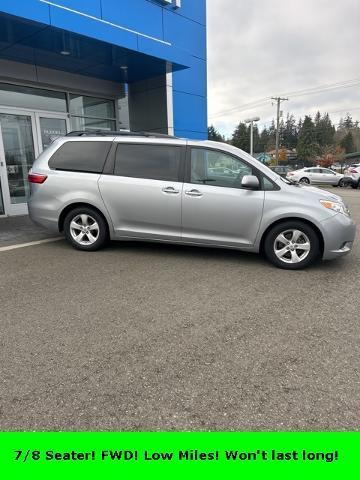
[(95, 65)]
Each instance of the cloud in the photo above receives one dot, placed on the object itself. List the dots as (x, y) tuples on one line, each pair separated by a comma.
[(261, 48)]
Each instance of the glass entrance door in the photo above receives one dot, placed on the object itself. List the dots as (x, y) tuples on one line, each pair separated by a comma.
[(23, 136), (17, 153)]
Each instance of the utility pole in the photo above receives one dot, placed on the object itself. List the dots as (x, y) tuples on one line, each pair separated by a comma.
[(278, 100)]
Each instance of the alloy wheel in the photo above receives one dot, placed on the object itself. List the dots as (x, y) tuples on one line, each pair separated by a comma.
[(292, 246), (84, 229)]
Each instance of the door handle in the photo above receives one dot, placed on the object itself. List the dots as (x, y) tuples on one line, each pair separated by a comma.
[(193, 193), (170, 190)]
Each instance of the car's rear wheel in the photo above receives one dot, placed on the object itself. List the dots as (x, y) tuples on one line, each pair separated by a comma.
[(342, 183), (292, 245), (85, 229), (304, 181)]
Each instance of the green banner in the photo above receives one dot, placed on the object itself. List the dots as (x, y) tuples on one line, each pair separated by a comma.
[(179, 455)]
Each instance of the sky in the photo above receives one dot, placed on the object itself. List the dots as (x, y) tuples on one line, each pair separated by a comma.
[(258, 49)]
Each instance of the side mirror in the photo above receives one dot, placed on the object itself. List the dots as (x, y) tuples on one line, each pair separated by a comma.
[(250, 182)]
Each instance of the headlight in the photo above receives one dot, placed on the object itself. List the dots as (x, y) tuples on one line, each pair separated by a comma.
[(336, 206)]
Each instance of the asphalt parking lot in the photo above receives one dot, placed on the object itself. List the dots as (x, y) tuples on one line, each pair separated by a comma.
[(152, 337)]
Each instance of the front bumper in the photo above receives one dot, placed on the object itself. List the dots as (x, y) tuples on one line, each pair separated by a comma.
[(351, 180), (339, 234)]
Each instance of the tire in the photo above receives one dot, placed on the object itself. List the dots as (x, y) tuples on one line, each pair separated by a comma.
[(342, 183), (304, 181), (289, 257), (92, 230)]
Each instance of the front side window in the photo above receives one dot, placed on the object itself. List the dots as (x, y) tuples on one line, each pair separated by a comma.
[(81, 156), (268, 185), (211, 167), (156, 162)]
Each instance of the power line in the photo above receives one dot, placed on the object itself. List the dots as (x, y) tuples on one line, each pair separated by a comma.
[(297, 93)]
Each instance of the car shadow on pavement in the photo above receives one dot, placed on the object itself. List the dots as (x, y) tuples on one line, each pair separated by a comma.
[(207, 253)]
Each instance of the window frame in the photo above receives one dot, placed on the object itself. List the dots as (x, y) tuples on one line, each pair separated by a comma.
[(258, 173), (109, 167)]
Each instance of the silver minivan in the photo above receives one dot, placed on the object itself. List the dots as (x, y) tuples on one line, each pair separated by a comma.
[(96, 187)]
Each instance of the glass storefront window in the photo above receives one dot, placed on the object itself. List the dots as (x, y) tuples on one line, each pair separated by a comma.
[(81, 123), (91, 107), (34, 98), (51, 128)]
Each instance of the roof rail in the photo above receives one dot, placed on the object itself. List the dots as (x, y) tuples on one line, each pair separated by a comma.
[(102, 133)]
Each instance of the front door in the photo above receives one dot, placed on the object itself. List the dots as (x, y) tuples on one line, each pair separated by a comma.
[(215, 209), (23, 136), (329, 177)]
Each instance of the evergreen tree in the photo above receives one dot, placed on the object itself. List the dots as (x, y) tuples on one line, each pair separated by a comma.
[(272, 136), (290, 132), (241, 137), (324, 130), (347, 143), (307, 147), (348, 122), (214, 134), (263, 140)]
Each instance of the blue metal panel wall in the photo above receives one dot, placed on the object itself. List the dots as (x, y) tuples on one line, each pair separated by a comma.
[(186, 28), (174, 35)]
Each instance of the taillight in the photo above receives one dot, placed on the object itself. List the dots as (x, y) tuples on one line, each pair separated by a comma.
[(352, 170), (36, 178)]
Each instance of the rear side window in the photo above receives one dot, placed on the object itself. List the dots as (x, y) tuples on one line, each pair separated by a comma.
[(81, 156), (157, 162)]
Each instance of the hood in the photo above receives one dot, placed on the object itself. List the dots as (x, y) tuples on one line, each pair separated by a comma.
[(321, 194), (311, 192)]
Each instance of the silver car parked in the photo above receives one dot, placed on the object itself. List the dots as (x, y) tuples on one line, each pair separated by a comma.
[(125, 186)]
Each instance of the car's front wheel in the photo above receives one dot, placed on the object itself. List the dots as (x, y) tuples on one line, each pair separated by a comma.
[(292, 245), (85, 229)]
